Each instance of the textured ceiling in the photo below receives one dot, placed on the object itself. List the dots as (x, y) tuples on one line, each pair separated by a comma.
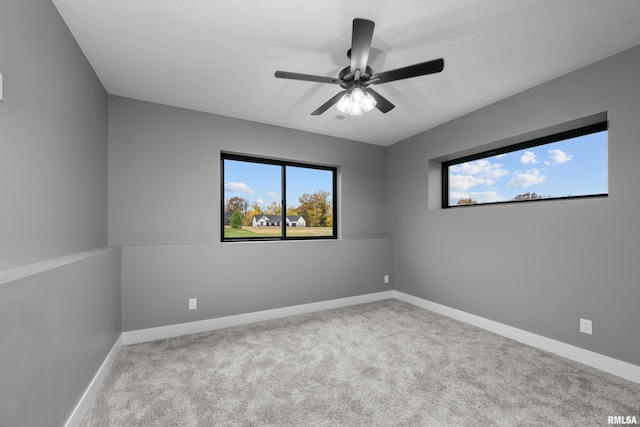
[(220, 56)]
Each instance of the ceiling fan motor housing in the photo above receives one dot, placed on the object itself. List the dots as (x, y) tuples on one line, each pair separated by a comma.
[(348, 80)]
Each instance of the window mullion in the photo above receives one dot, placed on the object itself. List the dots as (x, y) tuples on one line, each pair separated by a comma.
[(283, 202)]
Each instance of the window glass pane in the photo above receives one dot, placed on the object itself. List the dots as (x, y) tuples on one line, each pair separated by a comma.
[(571, 167), (252, 199), (254, 194), (309, 202)]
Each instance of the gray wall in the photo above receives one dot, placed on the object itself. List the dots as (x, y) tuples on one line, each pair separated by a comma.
[(540, 266), (164, 207), (57, 327), (58, 320), (54, 123)]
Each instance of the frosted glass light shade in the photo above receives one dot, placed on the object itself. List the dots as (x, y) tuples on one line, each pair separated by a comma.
[(368, 102), (357, 95), (356, 109), (344, 105), (356, 102)]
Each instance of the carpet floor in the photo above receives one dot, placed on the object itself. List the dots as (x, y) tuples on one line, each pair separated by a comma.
[(379, 364)]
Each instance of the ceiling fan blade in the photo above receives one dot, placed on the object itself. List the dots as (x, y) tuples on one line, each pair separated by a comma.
[(382, 103), (361, 44), (421, 69), (306, 77), (324, 107)]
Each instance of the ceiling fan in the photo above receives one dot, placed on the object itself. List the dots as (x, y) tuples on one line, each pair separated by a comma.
[(357, 96)]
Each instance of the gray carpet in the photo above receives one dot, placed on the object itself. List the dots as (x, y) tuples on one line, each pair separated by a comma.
[(384, 363)]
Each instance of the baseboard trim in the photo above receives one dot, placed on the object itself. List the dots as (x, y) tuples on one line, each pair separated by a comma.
[(91, 391), (604, 363), (595, 360), (169, 331)]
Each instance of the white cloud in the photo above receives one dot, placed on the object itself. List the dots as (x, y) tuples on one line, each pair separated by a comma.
[(464, 182), (486, 196), (273, 195), (529, 157), (482, 168), (560, 156), (478, 196), (455, 195), (260, 202), (525, 179), (239, 187)]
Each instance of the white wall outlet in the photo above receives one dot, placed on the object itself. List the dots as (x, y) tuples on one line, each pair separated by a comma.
[(585, 326), (193, 303), (386, 278)]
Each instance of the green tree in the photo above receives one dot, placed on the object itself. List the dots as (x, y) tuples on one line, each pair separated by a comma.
[(527, 196), (237, 203), (316, 209), (330, 221), (255, 210), (236, 219), (323, 207), (274, 208)]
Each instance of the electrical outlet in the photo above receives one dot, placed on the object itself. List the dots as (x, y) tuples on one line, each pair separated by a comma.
[(193, 303), (586, 327), (386, 278)]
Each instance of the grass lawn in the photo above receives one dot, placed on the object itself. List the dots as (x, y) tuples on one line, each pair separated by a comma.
[(249, 232)]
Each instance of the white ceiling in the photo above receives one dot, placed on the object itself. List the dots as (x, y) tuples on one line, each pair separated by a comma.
[(219, 56)]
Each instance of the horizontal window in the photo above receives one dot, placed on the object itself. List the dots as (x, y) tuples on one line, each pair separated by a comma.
[(264, 199), (570, 164)]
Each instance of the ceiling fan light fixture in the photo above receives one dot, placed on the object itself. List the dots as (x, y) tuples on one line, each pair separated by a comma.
[(357, 95), (356, 102), (356, 109), (344, 105), (368, 102)]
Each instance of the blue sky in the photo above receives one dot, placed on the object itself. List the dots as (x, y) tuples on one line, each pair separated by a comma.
[(261, 183), (572, 167)]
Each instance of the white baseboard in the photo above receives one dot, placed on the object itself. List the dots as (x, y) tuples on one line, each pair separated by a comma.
[(162, 332), (586, 357), (90, 393), (604, 363)]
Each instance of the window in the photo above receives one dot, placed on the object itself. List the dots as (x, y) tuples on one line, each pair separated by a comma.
[(570, 164), (255, 192)]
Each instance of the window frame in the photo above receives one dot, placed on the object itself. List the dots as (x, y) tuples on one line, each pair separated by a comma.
[(561, 136), (283, 226)]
